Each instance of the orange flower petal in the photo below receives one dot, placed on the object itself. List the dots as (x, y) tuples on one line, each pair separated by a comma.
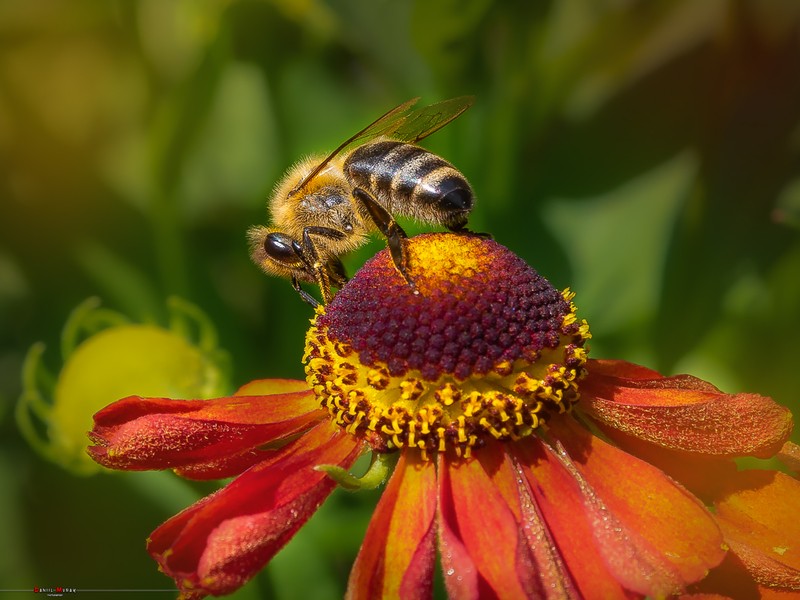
[(217, 544), (655, 536), (558, 497), (481, 541), (758, 516), (159, 433), (702, 475), (683, 412), (546, 567), (396, 559)]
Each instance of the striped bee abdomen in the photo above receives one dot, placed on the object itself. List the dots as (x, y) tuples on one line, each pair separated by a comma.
[(410, 181)]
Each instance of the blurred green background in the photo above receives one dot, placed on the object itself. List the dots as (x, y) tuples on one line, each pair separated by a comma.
[(647, 154)]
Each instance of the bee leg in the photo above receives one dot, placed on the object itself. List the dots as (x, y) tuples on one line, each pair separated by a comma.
[(302, 255), (304, 294), (324, 273), (288, 252), (394, 234), (465, 231)]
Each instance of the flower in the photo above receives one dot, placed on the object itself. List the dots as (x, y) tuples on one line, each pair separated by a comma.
[(107, 356), (535, 471)]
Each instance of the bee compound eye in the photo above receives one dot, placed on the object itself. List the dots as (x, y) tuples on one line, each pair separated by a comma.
[(281, 248)]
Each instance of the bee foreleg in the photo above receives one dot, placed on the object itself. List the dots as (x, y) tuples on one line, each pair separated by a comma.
[(304, 294), (287, 252), (328, 271), (395, 236)]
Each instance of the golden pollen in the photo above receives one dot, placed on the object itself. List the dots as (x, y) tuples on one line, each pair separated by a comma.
[(487, 349)]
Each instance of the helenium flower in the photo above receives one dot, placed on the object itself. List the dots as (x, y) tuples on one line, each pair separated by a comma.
[(537, 472)]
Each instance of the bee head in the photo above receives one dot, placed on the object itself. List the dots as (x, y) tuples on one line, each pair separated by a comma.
[(277, 253)]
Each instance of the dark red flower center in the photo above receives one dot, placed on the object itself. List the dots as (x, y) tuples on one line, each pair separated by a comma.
[(481, 346)]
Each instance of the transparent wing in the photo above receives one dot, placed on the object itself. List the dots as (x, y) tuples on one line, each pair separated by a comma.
[(420, 123), (402, 124)]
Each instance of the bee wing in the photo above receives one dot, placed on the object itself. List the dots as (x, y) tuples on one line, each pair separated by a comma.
[(401, 125), (422, 122), (383, 125)]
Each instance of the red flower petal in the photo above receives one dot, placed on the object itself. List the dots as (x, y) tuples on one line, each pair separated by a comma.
[(758, 516), (683, 412), (655, 537), (222, 468), (217, 544), (159, 433), (482, 542), (397, 556)]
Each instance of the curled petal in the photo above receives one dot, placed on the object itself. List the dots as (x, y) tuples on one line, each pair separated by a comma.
[(655, 537), (217, 544), (397, 556), (159, 433), (558, 497), (549, 566), (790, 456), (485, 553), (758, 515), (683, 413), (461, 576)]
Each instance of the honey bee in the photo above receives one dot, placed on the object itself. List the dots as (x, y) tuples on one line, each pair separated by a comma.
[(326, 207)]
